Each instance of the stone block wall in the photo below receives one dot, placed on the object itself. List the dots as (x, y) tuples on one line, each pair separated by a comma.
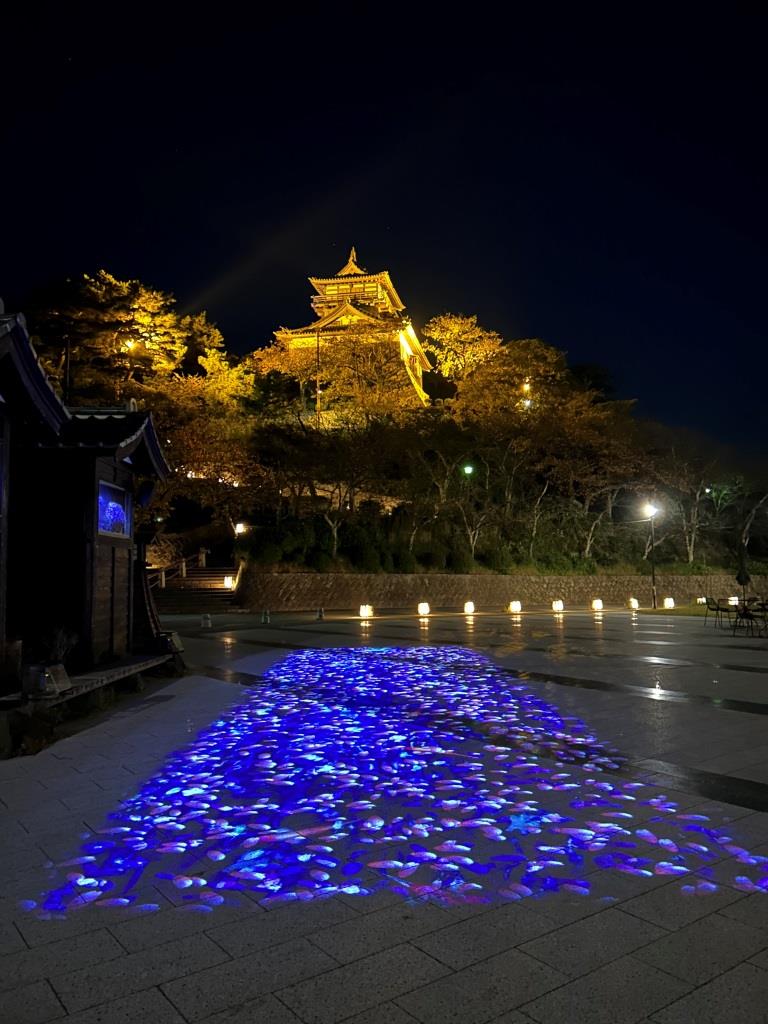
[(347, 591)]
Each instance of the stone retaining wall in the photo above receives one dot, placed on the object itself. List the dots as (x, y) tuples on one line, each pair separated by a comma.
[(345, 591)]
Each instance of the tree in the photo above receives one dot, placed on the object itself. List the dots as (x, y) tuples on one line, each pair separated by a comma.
[(526, 377), (459, 345), (101, 339), (207, 426), (361, 373)]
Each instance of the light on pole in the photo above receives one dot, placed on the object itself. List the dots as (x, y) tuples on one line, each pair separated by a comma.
[(469, 470), (651, 511)]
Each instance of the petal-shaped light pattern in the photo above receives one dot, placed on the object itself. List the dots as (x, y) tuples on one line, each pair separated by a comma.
[(428, 770)]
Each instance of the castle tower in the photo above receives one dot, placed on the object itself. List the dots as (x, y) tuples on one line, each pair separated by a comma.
[(356, 303)]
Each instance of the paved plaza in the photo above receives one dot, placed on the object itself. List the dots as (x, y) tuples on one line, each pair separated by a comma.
[(671, 926)]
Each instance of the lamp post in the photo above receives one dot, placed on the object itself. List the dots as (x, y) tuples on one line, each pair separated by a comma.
[(651, 511), (317, 378)]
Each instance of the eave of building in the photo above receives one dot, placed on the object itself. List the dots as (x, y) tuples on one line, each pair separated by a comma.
[(327, 321), (415, 346), (382, 278), (24, 379)]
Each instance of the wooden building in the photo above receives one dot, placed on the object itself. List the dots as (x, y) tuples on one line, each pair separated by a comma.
[(71, 562), (354, 301)]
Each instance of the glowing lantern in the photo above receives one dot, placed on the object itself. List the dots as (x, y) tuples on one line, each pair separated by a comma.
[(423, 608), (669, 602), (597, 605), (558, 606), (733, 600), (366, 611), (240, 528), (634, 604), (701, 600), (229, 582), (515, 607), (469, 607)]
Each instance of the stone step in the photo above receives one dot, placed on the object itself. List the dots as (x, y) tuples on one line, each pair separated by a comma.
[(179, 602)]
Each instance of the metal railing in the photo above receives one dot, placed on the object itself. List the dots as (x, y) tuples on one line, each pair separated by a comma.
[(160, 577)]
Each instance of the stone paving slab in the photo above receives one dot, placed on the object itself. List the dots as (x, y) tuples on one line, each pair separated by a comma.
[(483, 935), (478, 993), (136, 971), (147, 1007), (262, 1010), (740, 995), (706, 948), (670, 908), (356, 987), (370, 933), (588, 944), (178, 922), (62, 957), (204, 992), (31, 1004), (278, 925), (386, 1013), (622, 992)]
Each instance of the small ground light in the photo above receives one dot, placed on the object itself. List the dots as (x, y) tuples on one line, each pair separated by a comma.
[(701, 600), (597, 605), (515, 607), (669, 602), (229, 582), (634, 604), (733, 600), (558, 606), (366, 611), (240, 528), (423, 608), (469, 607)]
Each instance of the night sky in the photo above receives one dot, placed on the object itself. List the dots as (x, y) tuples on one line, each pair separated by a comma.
[(601, 188)]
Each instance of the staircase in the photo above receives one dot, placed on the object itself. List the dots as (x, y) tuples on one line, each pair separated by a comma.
[(200, 591)]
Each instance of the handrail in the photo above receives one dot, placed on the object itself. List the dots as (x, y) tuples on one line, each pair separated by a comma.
[(159, 577)]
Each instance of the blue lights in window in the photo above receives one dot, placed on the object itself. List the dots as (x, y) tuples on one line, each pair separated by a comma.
[(113, 510)]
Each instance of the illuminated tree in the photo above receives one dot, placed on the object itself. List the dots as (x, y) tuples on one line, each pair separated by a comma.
[(361, 374), (459, 345), (111, 337), (521, 378)]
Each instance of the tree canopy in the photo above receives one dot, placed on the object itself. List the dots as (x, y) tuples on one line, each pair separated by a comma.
[(522, 460)]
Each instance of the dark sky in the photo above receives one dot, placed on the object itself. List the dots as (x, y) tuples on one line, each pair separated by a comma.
[(603, 188)]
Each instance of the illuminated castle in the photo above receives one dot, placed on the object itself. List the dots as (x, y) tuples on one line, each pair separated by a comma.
[(359, 304)]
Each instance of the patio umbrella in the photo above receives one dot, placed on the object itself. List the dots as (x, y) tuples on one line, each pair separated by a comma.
[(742, 576)]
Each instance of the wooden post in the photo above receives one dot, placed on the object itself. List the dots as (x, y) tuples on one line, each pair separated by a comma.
[(162, 579), (201, 557), (183, 568)]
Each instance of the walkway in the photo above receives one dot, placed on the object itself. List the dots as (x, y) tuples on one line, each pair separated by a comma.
[(684, 704)]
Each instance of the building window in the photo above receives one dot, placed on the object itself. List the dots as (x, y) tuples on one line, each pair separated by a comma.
[(114, 510)]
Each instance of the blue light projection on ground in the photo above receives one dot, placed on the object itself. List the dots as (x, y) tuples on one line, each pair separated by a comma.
[(428, 771)]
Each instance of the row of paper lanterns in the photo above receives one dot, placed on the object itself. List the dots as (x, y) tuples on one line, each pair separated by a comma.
[(515, 607)]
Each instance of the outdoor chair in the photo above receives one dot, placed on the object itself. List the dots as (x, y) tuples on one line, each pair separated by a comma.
[(714, 607), (748, 618), (724, 612)]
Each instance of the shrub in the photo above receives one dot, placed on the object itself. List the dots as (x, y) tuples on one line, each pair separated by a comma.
[(460, 560), (404, 560), (434, 556), (319, 560)]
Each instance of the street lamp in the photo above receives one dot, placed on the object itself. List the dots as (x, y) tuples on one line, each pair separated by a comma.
[(469, 470), (650, 511)]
